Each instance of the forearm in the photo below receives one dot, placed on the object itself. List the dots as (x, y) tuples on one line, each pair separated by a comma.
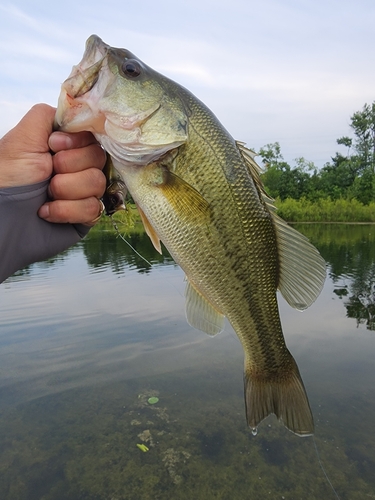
[(26, 238)]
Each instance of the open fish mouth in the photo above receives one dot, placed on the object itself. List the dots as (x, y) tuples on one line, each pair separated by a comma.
[(103, 96), (236, 253), (81, 80), (85, 74)]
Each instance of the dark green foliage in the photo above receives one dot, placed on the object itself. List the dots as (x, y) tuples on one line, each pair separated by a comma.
[(283, 182), (325, 210), (345, 177)]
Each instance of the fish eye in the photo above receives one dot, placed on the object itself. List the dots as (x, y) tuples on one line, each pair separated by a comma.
[(131, 68)]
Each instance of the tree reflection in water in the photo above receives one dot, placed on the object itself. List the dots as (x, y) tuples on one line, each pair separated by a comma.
[(350, 253)]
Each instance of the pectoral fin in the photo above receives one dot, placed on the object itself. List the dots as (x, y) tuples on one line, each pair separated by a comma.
[(201, 314), (174, 197), (150, 231), (186, 202)]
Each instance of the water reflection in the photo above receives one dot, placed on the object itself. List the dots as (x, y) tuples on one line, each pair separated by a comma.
[(103, 249), (87, 337), (350, 252)]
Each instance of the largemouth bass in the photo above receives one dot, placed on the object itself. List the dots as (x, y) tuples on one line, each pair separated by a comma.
[(199, 192)]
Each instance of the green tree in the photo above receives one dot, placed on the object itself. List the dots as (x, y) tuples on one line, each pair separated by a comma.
[(345, 176), (346, 141), (271, 154), (363, 125), (280, 179), (363, 188), (338, 176)]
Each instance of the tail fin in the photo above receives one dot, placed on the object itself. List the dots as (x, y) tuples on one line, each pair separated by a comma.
[(283, 395)]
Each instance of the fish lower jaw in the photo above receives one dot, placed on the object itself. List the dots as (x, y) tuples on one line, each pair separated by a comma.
[(75, 115), (133, 154)]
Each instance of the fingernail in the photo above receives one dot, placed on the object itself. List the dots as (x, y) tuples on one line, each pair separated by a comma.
[(59, 141), (43, 212)]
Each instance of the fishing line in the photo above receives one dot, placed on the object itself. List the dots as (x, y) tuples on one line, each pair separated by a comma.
[(145, 260), (137, 253), (313, 437), (323, 469), (127, 242)]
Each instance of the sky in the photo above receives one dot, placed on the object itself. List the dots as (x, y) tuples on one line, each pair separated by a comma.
[(291, 71)]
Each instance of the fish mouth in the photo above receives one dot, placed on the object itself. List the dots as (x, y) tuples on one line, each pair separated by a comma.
[(126, 126), (81, 80), (84, 76)]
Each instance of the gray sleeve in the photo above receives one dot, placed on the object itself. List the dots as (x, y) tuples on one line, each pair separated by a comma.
[(24, 237)]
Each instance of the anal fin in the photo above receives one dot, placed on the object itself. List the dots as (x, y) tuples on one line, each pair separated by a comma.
[(201, 314)]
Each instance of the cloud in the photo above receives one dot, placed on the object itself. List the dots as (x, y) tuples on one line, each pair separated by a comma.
[(274, 70), (27, 47)]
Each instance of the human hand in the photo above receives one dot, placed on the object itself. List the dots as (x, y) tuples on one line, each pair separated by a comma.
[(77, 180)]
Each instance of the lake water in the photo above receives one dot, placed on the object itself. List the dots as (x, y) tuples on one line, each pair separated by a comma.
[(87, 338)]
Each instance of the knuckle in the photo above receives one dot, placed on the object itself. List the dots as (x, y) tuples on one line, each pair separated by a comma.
[(96, 181), (92, 207), (101, 182)]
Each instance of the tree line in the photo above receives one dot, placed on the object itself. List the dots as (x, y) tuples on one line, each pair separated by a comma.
[(346, 176)]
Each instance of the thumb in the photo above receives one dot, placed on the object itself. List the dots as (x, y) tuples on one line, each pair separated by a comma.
[(34, 129), (24, 152)]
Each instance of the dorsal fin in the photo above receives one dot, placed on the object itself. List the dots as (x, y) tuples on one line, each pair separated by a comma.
[(302, 268), (255, 170)]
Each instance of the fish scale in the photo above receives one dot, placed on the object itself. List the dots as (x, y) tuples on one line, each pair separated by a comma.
[(257, 244), (199, 192)]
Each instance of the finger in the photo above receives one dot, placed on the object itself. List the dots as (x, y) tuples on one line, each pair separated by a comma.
[(77, 186), (24, 149), (34, 128), (71, 211), (59, 141), (74, 160)]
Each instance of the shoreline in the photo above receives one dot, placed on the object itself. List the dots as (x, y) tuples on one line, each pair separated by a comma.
[(331, 222)]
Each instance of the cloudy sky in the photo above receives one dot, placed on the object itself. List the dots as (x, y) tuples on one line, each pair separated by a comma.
[(291, 71)]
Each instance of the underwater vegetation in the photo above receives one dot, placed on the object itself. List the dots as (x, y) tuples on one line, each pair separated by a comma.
[(95, 435), (85, 445)]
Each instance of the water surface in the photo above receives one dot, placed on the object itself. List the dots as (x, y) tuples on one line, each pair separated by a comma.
[(88, 337)]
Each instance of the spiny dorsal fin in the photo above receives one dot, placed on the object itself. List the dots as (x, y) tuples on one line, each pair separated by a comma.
[(255, 170), (302, 268), (200, 313)]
